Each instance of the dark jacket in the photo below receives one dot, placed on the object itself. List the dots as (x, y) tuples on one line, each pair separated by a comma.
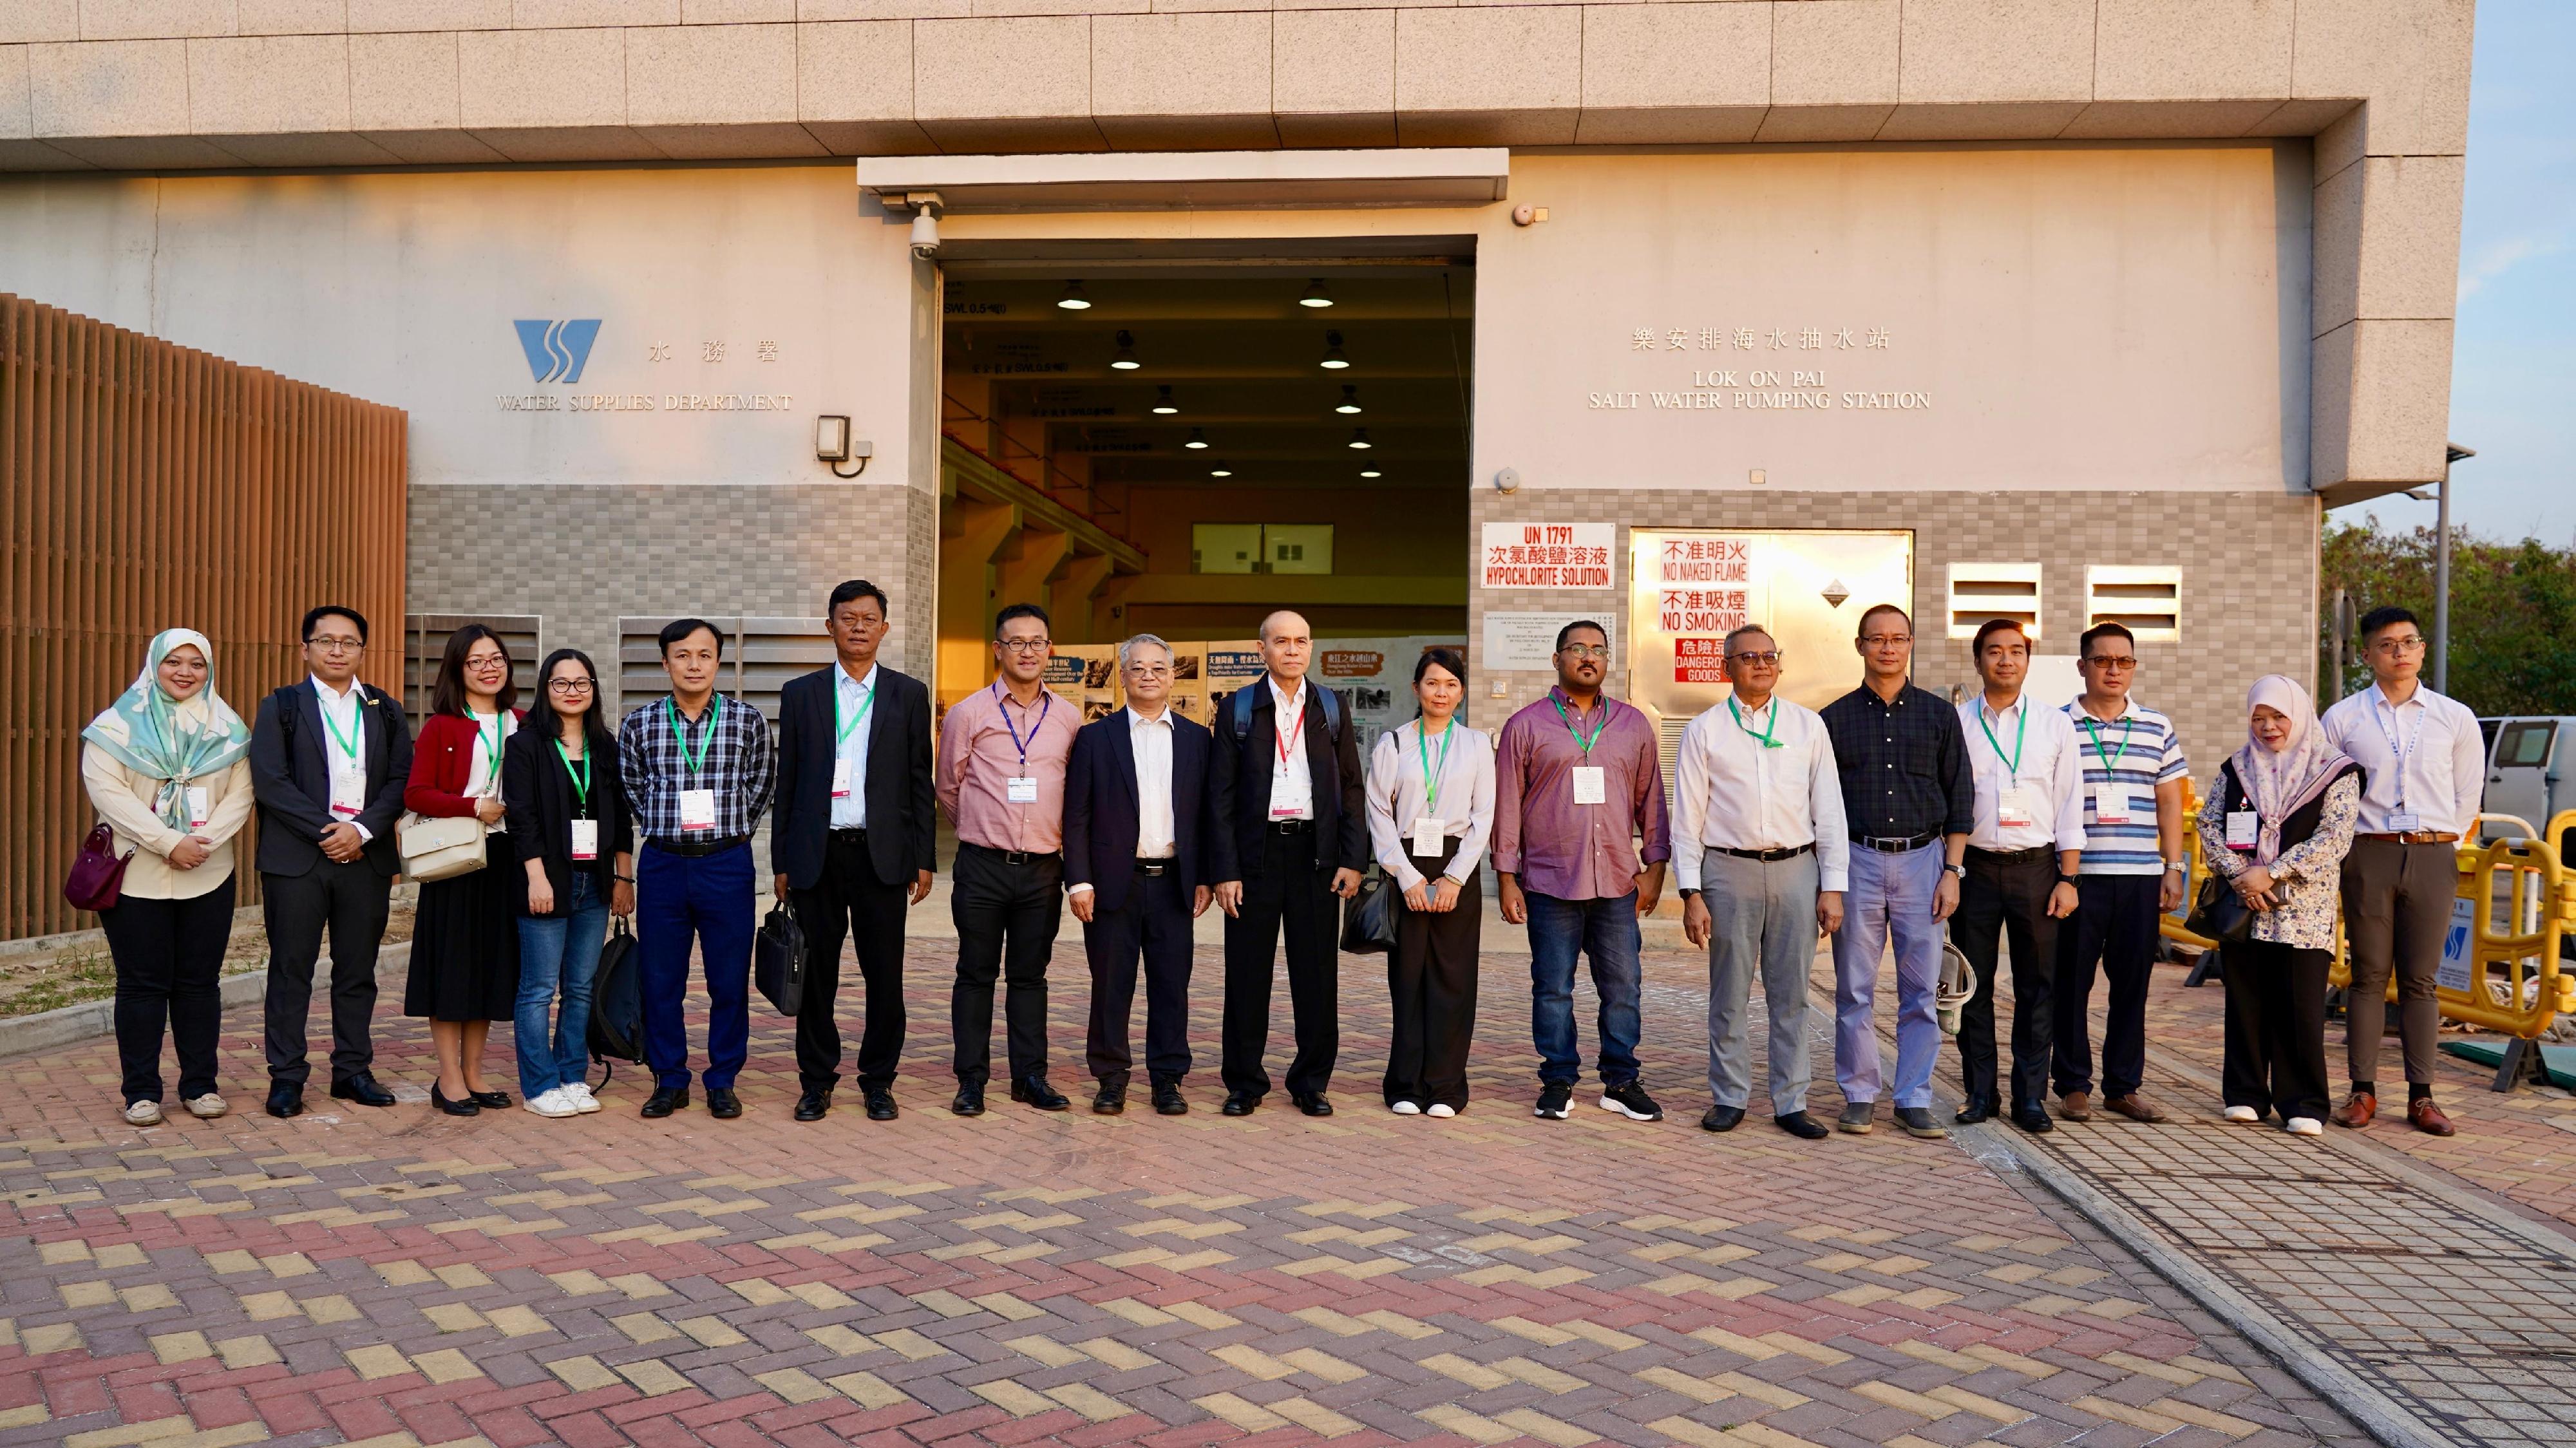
[(1102, 809), (541, 803), (1239, 783), (291, 779), (902, 805)]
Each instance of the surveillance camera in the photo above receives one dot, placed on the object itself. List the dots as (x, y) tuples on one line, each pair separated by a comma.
[(925, 234)]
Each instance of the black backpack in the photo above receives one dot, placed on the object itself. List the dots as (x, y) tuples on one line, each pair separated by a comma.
[(617, 1003), (1238, 712)]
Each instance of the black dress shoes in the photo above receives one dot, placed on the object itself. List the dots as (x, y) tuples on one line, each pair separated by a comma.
[(1973, 1114), (812, 1105), (490, 1100), (2034, 1120), (880, 1101), (1312, 1103), (1240, 1103), (1111, 1101), (285, 1099), (722, 1104), (970, 1099), (664, 1101), (1035, 1091), (1722, 1118), (1802, 1126), (466, 1107), (362, 1088), (1168, 1100)]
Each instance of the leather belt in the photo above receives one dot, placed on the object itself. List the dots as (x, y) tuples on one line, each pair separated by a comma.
[(1156, 869), (1767, 857), (1895, 844), (1292, 827), (1012, 857), (2413, 837), (2034, 855), (688, 849), (851, 836)]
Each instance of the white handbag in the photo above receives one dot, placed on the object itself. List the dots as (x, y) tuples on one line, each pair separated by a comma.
[(439, 847)]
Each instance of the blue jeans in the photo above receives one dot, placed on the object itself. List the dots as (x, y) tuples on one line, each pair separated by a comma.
[(705, 900), (558, 951), (1889, 898), (1606, 931)]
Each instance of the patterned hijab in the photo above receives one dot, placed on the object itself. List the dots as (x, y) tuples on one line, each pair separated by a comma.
[(167, 739), (2279, 782)]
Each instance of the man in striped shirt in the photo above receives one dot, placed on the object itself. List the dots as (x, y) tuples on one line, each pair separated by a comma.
[(2132, 871)]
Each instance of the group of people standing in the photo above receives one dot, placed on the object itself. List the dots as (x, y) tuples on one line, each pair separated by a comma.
[(1886, 818)]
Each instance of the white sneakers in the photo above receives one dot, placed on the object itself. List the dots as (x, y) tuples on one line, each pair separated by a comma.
[(1405, 1108), (1440, 1108), (2243, 1115), (2304, 1126), (579, 1094), (554, 1103), (1436, 1108), (207, 1107), (143, 1113)]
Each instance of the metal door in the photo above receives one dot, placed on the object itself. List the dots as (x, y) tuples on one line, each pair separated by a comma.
[(2518, 770)]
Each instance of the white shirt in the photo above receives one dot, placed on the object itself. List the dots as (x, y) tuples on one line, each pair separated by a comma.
[(1398, 795), (1157, 836), (1292, 784), (346, 713), (1731, 792), (2050, 775), (849, 696), (2445, 759), (482, 772)]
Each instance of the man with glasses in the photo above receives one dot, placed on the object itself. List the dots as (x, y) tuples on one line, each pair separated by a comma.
[(2426, 763), (1762, 856), (2131, 872), (1002, 756), (1578, 781), (1909, 797), (329, 757)]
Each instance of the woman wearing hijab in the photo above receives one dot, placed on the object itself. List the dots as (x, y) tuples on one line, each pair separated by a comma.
[(465, 939), (2276, 829), (165, 769)]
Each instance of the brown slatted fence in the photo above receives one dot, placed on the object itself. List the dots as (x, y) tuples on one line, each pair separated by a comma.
[(150, 486)]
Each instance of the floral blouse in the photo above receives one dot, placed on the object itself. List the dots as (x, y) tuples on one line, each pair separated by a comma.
[(2307, 876)]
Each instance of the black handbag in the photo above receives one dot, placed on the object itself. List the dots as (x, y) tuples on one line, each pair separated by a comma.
[(2220, 914), (778, 962), (1368, 918)]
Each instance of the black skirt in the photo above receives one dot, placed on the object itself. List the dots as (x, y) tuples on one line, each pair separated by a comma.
[(465, 944)]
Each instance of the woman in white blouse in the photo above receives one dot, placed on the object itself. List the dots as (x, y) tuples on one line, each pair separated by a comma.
[(1430, 809), (165, 769)]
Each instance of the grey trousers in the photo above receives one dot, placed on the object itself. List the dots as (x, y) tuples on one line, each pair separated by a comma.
[(1761, 917)]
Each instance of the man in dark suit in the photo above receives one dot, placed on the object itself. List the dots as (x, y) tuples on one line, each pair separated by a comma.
[(852, 841), (328, 761), (1292, 834), (1135, 817)]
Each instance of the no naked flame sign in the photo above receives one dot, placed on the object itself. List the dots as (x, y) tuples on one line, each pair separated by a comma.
[(1535, 556)]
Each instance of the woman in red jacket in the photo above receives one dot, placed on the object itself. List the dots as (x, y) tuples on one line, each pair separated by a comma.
[(465, 937)]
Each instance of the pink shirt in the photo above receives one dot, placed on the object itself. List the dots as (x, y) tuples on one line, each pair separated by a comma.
[(978, 759)]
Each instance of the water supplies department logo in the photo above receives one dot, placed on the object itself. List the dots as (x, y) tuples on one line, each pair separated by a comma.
[(557, 350)]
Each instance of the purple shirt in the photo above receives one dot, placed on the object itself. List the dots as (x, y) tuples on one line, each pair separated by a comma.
[(1577, 851)]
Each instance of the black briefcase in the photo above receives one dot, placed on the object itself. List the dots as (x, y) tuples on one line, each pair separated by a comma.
[(1368, 918), (778, 961)]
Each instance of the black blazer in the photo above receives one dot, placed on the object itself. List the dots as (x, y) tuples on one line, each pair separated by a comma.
[(540, 803), (1239, 779), (1101, 807), (902, 806), (290, 778)]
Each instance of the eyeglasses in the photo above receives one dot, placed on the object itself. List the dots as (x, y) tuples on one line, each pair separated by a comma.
[(2407, 645), (1886, 641), (1151, 671), (1767, 658), (570, 686), (1026, 646), (335, 643), (1586, 651), (2112, 663)]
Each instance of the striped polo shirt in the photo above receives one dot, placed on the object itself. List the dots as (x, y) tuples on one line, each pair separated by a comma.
[(2139, 750)]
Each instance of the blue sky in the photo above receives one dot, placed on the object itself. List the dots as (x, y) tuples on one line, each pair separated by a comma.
[(2513, 373)]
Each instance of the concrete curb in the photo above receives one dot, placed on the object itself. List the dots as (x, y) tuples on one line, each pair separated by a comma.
[(89, 1020)]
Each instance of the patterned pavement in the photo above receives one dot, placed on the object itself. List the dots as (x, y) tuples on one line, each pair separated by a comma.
[(398, 1277)]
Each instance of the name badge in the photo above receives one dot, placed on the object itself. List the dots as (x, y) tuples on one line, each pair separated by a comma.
[(1591, 786), (2012, 807), (348, 797), (697, 809), (2111, 803), (585, 839), (2405, 822), (2242, 827), (199, 810), (1022, 789), (1428, 834), (840, 779)]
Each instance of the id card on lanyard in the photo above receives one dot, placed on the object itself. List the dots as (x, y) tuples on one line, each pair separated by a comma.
[(2111, 799), (585, 831), (348, 784), (697, 806), (844, 728), (1286, 742), (199, 811), (1591, 781), (1022, 788), (1430, 832), (2401, 820), (2012, 802)]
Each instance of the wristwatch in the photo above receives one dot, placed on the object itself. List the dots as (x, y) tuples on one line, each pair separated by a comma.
[(2065, 879), (2180, 867), (1959, 870), (1690, 894)]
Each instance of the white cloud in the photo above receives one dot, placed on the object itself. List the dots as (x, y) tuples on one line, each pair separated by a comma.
[(2504, 254)]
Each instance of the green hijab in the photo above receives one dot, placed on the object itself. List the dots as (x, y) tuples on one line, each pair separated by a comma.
[(175, 741)]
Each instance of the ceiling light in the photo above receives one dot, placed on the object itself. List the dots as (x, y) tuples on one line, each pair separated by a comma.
[(1124, 359), (1359, 439), (1073, 300), (1220, 471), (1334, 361), (1371, 473), (1163, 404), (1315, 295), (1350, 403), (1198, 439)]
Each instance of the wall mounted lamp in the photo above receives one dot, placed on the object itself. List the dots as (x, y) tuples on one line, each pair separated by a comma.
[(832, 444)]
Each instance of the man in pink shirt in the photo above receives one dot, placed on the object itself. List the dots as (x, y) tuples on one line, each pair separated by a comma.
[(1002, 753)]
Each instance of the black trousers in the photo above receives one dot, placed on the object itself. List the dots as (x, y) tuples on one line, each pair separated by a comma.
[(1154, 922), (1007, 916), (351, 899), (1431, 983), (2115, 924), (2007, 898), (1283, 888), (169, 958), (849, 901), (2276, 1029)]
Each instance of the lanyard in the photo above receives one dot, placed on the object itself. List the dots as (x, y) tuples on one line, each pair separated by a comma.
[(2404, 752), (1580, 741), (348, 742), (1285, 740), (2021, 729), (1769, 726), (1001, 706), (2110, 761), (1431, 778), (680, 726), (580, 779), (491, 749), (867, 701)]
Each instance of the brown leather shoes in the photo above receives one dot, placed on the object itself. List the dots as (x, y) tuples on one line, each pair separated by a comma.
[(2427, 1118), (2357, 1112), (2134, 1107), (2076, 1106)]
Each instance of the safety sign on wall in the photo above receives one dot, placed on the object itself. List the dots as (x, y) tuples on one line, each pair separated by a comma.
[(1534, 557)]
